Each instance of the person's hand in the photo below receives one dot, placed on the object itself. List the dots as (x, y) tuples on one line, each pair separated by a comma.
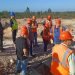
[(25, 52)]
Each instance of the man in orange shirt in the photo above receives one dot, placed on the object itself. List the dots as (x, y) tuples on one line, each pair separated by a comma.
[(34, 30), (46, 36)]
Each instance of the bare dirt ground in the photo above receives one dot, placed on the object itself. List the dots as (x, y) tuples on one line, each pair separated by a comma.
[(36, 63), (10, 52)]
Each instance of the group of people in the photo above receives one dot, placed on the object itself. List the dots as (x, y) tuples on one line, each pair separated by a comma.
[(63, 58), (24, 43), (51, 32)]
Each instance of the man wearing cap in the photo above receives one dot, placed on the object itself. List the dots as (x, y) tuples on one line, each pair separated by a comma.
[(34, 30), (30, 36), (14, 26)]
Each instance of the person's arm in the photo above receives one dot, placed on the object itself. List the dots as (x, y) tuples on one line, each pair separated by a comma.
[(11, 23), (61, 29), (53, 27), (71, 61)]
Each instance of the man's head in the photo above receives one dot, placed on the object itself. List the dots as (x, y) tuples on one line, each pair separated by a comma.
[(66, 37), (49, 22), (33, 18), (12, 15), (49, 17), (57, 22), (29, 21), (24, 31)]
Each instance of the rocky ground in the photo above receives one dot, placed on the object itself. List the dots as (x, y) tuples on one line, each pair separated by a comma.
[(9, 53), (38, 65)]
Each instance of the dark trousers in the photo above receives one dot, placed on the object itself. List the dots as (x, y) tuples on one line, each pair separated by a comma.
[(31, 45), (45, 45), (35, 38), (14, 33), (1, 42)]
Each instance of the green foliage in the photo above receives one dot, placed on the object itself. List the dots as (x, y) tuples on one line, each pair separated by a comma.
[(39, 14)]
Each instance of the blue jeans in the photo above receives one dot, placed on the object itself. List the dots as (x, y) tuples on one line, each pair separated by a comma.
[(56, 41), (22, 66), (35, 38)]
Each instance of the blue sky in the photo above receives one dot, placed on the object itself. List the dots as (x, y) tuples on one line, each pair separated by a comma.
[(37, 5)]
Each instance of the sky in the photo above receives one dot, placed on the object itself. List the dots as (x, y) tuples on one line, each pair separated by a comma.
[(37, 5)]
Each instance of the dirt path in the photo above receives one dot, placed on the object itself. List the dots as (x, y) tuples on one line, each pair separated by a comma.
[(10, 52)]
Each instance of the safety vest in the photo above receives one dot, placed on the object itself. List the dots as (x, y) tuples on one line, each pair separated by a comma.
[(46, 35), (35, 29), (15, 25), (59, 64), (50, 22)]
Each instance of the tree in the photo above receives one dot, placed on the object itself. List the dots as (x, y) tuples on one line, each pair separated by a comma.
[(49, 10), (27, 10), (5, 13)]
